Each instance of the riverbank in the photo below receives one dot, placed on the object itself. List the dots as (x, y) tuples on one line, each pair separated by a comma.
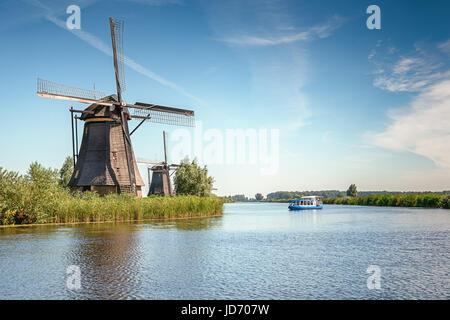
[(90, 207), (39, 197), (407, 200)]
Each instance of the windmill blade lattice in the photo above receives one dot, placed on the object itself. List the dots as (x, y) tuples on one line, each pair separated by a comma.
[(53, 88), (118, 37), (164, 115)]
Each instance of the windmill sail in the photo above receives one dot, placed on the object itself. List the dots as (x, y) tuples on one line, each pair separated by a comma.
[(116, 27), (118, 39), (162, 114), (166, 166), (49, 89)]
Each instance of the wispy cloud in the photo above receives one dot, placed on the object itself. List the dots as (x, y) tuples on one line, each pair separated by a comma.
[(445, 46), (276, 81), (323, 30), (423, 127), (409, 73)]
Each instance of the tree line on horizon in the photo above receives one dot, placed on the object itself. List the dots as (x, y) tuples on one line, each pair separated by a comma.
[(287, 195), (350, 192)]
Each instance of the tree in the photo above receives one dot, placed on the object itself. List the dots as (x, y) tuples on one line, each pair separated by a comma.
[(66, 171), (259, 196), (41, 176), (239, 197), (191, 179), (351, 191)]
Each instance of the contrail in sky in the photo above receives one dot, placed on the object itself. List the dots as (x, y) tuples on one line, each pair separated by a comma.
[(102, 46)]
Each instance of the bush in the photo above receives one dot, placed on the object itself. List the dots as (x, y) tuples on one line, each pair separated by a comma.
[(404, 200), (445, 201), (191, 179)]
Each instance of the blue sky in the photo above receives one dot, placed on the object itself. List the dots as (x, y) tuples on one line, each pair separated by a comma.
[(351, 105)]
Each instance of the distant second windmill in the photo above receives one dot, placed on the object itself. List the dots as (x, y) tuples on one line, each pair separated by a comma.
[(160, 172), (106, 162)]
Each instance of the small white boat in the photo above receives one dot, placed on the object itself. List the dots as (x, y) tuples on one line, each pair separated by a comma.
[(305, 203)]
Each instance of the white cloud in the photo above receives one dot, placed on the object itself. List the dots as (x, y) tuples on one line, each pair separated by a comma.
[(319, 31), (412, 72), (445, 46), (405, 64), (408, 74), (423, 128)]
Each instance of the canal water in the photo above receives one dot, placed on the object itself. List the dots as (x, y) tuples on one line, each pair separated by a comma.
[(254, 251)]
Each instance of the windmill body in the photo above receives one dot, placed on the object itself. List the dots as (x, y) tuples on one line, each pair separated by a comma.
[(102, 162), (160, 172), (106, 162), (160, 184)]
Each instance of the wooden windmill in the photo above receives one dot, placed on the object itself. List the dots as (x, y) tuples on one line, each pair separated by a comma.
[(160, 172), (105, 162)]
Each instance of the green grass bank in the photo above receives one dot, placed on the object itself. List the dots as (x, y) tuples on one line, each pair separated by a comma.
[(89, 207), (39, 198), (407, 200)]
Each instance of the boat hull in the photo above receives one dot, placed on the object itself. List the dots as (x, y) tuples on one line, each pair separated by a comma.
[(295, 207)]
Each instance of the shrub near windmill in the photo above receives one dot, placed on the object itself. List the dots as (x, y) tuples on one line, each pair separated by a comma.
[(106, 162), (193, 180)]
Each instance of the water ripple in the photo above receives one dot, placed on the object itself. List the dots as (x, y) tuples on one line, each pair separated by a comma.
[(255, 251)]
